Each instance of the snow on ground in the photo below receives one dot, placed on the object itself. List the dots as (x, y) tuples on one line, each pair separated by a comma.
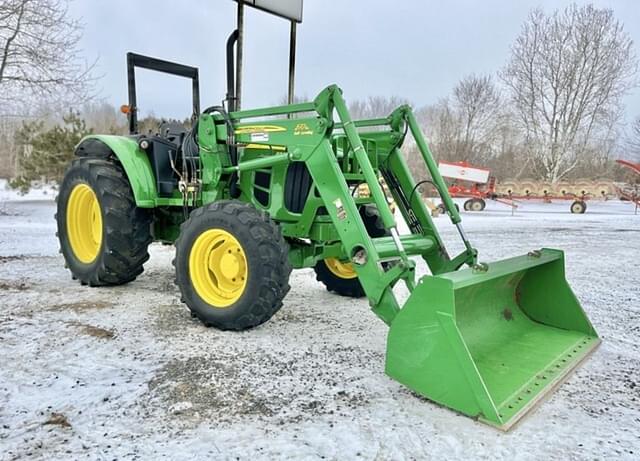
[(43, 192), (126, 373)]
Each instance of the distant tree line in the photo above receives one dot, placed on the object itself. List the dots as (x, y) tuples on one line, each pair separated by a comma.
[(44, 147), (554, 111), (42, 73)]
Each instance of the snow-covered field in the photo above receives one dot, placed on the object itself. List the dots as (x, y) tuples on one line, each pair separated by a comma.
[(126, 373)]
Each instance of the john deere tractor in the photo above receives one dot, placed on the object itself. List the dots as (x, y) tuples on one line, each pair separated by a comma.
[(246, 196)]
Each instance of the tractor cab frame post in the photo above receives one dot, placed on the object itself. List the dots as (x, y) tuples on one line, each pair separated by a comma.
[(146, 62)]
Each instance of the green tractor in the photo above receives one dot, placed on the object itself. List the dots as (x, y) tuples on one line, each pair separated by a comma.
[(248, 195)]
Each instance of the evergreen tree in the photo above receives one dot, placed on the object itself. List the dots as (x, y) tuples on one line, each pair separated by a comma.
[(44, 154)]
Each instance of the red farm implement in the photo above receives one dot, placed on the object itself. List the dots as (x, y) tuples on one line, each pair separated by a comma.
[(477, 185), (473, 183), (630, 192)]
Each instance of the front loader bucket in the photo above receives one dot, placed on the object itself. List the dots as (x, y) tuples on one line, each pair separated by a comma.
[(491, 344)]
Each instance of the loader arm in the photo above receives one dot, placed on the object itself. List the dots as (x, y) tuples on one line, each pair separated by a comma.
[(326, 168), (490, 340)]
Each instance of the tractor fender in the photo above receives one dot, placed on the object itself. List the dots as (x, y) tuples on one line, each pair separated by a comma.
[(134, 161)]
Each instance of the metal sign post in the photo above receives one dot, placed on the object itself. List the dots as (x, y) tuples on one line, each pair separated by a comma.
[(287, 9), (292, 61)]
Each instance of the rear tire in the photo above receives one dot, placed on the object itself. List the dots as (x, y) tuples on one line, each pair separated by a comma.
[(232, 265), (111, 249), (341, 277)]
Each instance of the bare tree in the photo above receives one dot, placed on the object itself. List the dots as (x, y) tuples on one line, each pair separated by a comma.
[(39, 54), (567, 74), (440, 126), (375, 106), (507, 161), (476, 103), (8, 128), (466, 125), (102, 117), (633, 142)]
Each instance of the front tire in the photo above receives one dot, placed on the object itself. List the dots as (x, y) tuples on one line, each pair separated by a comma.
[(103, 234), (232, 265)]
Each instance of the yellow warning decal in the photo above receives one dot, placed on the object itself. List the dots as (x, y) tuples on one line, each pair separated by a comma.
[(266, 147), (259, 129)]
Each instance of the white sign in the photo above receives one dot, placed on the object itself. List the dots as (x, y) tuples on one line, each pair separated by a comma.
[(259, 137), (463, 172), (288, 9)]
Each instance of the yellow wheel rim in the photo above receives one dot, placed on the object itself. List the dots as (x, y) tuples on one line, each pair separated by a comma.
[(340, 269), (84, 223), (218, 268)]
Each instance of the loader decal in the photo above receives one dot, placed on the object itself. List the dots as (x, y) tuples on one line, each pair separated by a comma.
[(302, 129), (250, 129)]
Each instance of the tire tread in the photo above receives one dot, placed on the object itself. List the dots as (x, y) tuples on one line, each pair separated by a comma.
[(272, 250), (127, 228)]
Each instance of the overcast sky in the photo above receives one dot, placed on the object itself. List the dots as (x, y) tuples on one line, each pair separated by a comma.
[(416, 49)]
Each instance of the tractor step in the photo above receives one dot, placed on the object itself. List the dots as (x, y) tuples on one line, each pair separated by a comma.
[(413, 245)]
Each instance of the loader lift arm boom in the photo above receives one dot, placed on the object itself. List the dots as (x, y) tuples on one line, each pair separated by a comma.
[(461, 336), (362, 251)]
